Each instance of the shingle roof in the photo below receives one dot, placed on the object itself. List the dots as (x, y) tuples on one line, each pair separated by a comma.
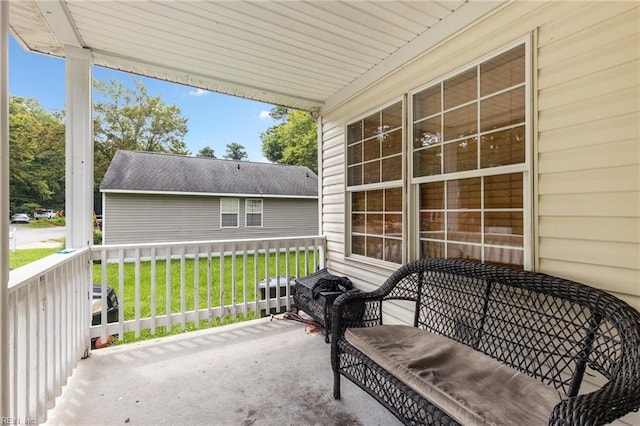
[(154, 172)]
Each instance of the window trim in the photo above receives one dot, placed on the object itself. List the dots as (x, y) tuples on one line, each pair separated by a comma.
[(237, 212), (247, 213), (526, 168)]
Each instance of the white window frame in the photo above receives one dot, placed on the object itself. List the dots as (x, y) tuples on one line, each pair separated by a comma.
[(524, 168), (247, 212), (236, 201), (399, 183)]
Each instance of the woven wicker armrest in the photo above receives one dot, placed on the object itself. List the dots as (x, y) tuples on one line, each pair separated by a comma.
[(356, 309), (621, 394)]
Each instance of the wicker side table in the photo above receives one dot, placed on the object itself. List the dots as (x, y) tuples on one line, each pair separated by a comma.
[(320, 308)]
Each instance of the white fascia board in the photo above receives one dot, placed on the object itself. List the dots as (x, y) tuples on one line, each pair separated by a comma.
[(204, 194), (465, 16)]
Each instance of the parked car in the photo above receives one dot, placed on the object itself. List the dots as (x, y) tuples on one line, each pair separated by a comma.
[(20, 218), (44, 214), (112, 308)]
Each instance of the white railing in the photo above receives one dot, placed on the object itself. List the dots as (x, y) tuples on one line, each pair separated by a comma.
[(49, 320), (192, 284), (158, 285)]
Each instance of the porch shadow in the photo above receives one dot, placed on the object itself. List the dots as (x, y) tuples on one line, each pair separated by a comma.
[(259, 372)]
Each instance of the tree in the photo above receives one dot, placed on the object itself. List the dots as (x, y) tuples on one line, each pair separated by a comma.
[(235, 151), (207, 151), (131, 119), (293, 141), (36, 155)]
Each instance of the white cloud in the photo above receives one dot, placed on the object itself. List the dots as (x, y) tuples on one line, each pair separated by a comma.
[(198, 92), (264, 115)]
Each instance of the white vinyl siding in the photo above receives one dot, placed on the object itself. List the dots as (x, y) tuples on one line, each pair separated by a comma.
[(229, 212), (585, 168)]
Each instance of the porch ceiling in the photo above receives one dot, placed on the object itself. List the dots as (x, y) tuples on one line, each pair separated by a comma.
[(302, 54)]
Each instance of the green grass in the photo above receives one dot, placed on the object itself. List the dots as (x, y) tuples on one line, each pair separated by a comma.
[(127, 299), (191, 287), (47, 223), (24, 256)]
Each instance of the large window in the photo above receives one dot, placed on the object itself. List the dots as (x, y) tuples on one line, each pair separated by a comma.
[(465, 192), (229, 210), (374, 183), (469, 140), (254, 213)]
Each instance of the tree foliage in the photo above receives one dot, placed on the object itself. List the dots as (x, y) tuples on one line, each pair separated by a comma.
[(207, 151), (131, 119), (36, 155), (292, 141), (235, 151)]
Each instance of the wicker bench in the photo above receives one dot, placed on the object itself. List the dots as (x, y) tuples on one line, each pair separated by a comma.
[(489, 345)]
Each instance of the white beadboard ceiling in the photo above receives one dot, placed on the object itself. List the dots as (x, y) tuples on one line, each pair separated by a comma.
[(308, 55)]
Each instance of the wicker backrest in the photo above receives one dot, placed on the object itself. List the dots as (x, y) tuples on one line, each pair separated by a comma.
[(544, 326)]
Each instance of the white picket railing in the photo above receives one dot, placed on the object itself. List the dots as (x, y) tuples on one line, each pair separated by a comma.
[(50, 301), (202, 280), (49, 319)]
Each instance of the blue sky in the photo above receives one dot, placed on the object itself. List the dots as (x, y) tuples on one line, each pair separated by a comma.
[(215, 120)]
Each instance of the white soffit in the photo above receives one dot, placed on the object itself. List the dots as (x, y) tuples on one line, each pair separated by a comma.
[(302, 54)]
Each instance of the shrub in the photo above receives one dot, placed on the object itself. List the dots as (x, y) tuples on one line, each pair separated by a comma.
[(97, 237)]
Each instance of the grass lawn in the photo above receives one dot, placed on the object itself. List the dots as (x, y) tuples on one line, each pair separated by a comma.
[(206, 287), (24, 256)]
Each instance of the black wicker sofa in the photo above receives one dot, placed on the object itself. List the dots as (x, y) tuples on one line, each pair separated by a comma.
[(489, 345)]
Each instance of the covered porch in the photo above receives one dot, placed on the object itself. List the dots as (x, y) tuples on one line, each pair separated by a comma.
[(261, 372), (303, 55), (578, 202)]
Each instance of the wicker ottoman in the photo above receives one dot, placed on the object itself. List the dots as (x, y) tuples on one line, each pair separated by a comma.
[(320, 308)]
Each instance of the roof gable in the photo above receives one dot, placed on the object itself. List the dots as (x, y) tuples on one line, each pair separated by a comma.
[(134, 171)]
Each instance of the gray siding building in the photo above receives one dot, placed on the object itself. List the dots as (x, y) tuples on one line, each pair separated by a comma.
[(152, 197)]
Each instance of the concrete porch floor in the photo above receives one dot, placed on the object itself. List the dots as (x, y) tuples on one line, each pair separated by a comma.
[(261, 372)]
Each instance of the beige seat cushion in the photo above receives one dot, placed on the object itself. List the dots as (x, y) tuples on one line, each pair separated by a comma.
[(468, 385)]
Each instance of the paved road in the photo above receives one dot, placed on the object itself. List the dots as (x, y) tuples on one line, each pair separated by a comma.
[(25, 237)]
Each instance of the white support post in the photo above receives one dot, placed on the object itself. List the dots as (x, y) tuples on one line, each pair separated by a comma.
[(79, 148), (4, 207), (319, 121)]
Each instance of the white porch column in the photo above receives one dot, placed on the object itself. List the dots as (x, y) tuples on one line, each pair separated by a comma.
[(4, 206), (79, 148)]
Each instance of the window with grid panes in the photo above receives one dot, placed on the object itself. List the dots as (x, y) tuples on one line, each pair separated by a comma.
[(374, 183), (254, 213), (229, 210), (469, 140)]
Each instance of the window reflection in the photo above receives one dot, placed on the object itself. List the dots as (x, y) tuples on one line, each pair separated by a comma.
[(483, 218), (465, 109), (377, 224), (427, 132), (502, 148), (461, 88)]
